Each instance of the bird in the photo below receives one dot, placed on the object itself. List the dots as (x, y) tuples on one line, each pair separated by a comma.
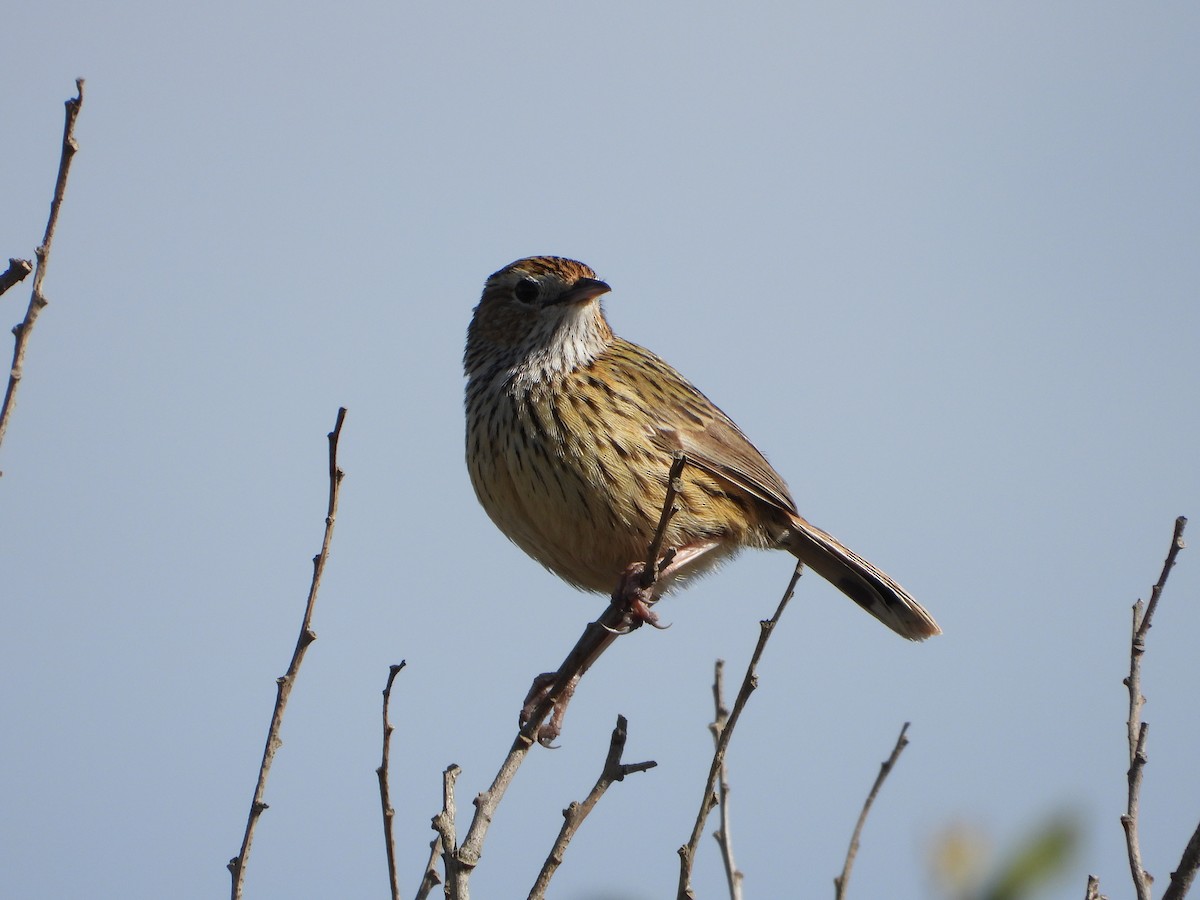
[(571, 433)]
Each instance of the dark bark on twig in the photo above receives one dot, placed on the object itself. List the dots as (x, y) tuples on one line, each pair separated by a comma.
[(598, 636), (37, 300), (284, 684), (1137, 730), (687, 853), (389, 814), (573, 815), (654, 563), (840, 882), (18, 270)]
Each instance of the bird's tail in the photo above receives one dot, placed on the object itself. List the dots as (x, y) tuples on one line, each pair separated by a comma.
[(859, 580)]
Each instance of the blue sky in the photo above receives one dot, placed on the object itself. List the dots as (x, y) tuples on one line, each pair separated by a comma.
[(939, 261)]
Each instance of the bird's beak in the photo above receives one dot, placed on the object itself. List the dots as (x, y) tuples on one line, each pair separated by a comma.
[(583, 290)]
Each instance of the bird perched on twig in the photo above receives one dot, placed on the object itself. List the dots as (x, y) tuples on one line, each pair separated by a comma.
[(571, 432)]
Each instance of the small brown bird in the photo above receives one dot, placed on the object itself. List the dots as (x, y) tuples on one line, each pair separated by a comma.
[(571, 433)]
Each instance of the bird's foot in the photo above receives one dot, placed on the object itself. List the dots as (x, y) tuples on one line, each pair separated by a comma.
[(540, 692), (637, 597), (546, 703)]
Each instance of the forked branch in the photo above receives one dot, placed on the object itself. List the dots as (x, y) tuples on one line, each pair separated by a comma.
[(573, 815), (723, 834), (460, 860), (687, 853)]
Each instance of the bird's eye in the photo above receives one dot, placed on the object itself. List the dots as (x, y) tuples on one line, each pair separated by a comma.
[(526, 290)]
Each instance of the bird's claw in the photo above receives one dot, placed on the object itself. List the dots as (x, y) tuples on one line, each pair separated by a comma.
[(636, 597), (547, 731)]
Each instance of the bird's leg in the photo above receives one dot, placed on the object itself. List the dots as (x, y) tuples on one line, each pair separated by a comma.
[(638, 589), (552, 691), (629, 608), (543, 698), (635, 592)]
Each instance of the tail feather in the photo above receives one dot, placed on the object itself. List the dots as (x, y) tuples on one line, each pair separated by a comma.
[(862, 582)]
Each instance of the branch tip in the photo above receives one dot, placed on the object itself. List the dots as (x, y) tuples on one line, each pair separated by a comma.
[(37, 299), (1136, 729), (885, 769), (687, 853), (284, 684)]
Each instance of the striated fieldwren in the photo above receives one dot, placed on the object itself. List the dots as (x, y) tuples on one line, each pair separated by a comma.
[(571, 433)]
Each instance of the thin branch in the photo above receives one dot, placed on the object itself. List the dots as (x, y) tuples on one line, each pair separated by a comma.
[(237, 865), (839, 883), (573, 815), (1177, 544), (460, 861), (549, 693), (733, 876), (687, 853), (457, 872), (389, 813), (1185, 873), (1137, 729), (18, 270), (431, 879), (654, 564), (1093, 889), (38, 299), (552, 691), (1141, 878)]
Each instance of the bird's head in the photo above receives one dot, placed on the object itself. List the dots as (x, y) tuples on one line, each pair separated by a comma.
[(539, 315)]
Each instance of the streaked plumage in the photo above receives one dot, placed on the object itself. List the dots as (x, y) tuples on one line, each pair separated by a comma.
[(570, 436)]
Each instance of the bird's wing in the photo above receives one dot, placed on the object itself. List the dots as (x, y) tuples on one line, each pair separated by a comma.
[(681, 418)]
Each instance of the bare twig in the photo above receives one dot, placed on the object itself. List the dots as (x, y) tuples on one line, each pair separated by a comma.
[(733, 876), (1093, 889), (1141, 878), (1185, 873), (17, 271), (1137, 729), (840, 882), (573, 815), (37, 300), (457, 872), (237, 865), (389, 813), (431, 879), (654, 564), (460, 861), (616, 620), (687, 853), (552, 691)]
